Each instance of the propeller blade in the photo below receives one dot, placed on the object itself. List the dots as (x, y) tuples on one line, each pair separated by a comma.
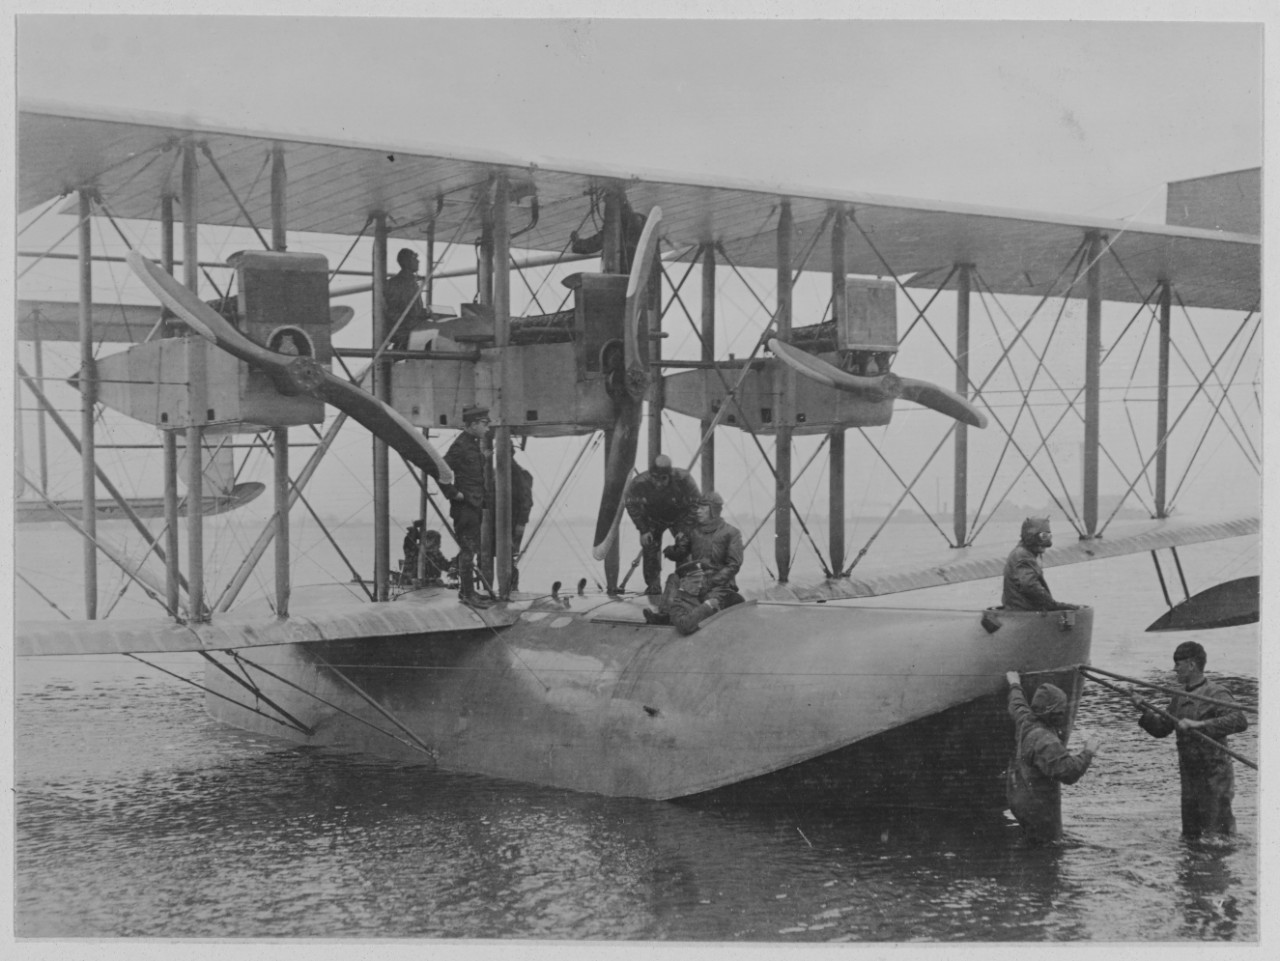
[(879, 388), (943, 401), (292, 374), (622, 458), (626, 428), (883, 387), (641, 264)]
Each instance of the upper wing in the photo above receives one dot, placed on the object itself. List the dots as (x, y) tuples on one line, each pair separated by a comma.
[(331, 186), (973, 564)]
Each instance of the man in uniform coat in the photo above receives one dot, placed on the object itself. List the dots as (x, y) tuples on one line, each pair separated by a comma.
[(1208, 778), (468, 496)]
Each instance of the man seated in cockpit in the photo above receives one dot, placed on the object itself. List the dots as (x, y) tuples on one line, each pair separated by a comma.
[(402, 307), (1025, 588)]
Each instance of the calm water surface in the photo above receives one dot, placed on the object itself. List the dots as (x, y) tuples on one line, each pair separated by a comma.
[(138, 816)]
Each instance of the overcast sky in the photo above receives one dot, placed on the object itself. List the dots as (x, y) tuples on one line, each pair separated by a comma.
[(1085, 117)]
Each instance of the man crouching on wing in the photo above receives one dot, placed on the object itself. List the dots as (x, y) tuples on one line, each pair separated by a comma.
[(705, 580)]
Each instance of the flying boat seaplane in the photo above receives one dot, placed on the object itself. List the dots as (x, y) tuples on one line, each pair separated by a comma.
[(575, 689)]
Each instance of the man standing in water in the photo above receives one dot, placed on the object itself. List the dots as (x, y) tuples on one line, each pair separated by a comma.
[(1208, 778), (1025, 588), (1041, 763)]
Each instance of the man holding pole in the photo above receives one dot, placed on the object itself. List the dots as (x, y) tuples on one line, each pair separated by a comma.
[(1041, 763), (1208, 778)]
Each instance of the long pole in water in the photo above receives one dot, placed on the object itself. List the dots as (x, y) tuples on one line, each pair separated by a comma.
[(88, 391), (1169, 717)]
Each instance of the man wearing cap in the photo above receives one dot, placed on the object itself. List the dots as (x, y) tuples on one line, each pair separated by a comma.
[(1025, 588), (1208, 778), (400, 297), (705, 580), (412, 545), (663, 498), (468, 495), (1041, 763)]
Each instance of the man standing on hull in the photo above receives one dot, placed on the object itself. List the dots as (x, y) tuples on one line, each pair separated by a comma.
[(1025, 588), (663, 498), (1041, 763), (468, 497), (1208, 778)]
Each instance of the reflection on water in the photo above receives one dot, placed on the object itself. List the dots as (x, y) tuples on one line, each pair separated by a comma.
[(138, 816)]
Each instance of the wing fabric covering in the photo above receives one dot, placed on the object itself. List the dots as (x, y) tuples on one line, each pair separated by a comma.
[(627, 401), (879, 388), (293, 375), (1223, 605), (332, 614), (973, 563)]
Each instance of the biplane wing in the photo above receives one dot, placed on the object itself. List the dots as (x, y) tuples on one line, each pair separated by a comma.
[(57, 320), (973, 564), (333, 614), (147, 508), (332, 185)]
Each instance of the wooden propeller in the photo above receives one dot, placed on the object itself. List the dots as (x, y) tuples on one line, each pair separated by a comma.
[(626, 426), (293, 375), (880, 388)]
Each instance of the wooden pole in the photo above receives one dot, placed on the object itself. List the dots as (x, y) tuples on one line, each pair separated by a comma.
[(612, 261), (506, 393), (960, 490), (786, 403), (1162, 402), (708, 356), (835, 437), (280, 436), (420, 571), (1092, 383), (197, 389), (381, 390), (42, 440), (484, 278), (279, 198), (169, 439), (88, 399)]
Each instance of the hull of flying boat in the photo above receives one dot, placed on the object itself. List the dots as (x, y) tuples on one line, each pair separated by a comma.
[(588, 697)]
